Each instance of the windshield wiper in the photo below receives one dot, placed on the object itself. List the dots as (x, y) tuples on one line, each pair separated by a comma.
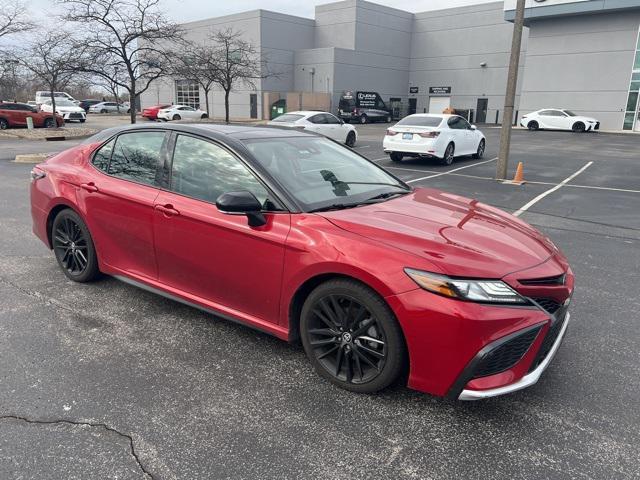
[(385, 195), (376, 183), (335, 206)]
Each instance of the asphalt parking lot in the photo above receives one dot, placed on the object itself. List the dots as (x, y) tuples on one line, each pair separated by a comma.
[(104, 380)]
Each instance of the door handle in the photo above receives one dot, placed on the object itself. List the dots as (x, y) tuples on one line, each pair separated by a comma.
[(167, 210), (89, 187)]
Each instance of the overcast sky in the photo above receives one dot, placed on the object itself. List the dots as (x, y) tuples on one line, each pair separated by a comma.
[(187, 10)]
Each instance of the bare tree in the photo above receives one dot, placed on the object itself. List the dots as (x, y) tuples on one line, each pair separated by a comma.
[(52, 58), (238, 63), (13, 17), (197, 62), (131, 36)]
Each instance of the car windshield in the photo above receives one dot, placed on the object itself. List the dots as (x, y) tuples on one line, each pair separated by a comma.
[(420, 121), (60, 102), (323, 175), (288, 117), (570, 113)]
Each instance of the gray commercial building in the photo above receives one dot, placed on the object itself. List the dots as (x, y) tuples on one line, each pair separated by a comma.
[(583, 55)]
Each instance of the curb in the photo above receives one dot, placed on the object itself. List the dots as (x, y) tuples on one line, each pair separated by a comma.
[(33, 157)]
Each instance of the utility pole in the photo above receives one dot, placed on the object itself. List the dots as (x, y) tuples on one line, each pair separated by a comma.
[(510, 96)]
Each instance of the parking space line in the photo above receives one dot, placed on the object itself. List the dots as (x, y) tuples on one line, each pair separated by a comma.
[(450, 171), (526, 206)]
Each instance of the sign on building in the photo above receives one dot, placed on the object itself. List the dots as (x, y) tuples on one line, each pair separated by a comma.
[(440, 90)]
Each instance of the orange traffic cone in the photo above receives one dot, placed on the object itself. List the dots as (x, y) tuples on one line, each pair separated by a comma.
[(518, 179)]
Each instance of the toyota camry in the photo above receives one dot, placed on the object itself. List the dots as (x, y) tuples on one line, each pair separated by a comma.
[(298, 236)]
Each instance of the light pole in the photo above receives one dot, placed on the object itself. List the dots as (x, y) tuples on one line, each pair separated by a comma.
[(510, 96)]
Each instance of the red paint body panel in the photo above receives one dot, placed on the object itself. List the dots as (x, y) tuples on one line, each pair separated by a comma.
[(18, 118), (251, 274), (152, 112)]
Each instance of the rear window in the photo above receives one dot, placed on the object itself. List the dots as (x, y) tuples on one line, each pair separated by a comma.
[(419, 121), (346, 104), (288, 117)]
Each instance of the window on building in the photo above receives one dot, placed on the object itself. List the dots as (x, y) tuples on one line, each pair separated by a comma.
[(188, 93), (632, 110)]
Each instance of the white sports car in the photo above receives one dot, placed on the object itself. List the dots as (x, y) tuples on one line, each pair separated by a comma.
[(433, 136), (559, 119), (181, 112), (323, 123)]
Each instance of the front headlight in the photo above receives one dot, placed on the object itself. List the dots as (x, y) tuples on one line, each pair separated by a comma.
[(483, 291)]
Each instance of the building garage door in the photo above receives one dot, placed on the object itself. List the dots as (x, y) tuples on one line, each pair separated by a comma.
[(439, 104)]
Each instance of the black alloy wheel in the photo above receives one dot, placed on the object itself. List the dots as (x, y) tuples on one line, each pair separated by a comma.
[(533, 125), (73, 247), (480, 151), (3, 124), (351, 139), (579, 127), (449, 154), (351, 336), (363, 119)]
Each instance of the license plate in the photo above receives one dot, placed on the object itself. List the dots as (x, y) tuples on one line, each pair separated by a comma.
[(407, 136)]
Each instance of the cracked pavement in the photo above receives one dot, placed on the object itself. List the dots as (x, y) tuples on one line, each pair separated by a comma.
[(107, 381)]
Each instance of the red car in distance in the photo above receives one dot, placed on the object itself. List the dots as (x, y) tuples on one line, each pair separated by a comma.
[(152, 112), (16, 114), (298, 236)]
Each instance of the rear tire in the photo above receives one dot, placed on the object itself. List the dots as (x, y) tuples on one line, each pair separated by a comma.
[(103, 111), (449, 154), (82, 120), (388, 119), (351, 140), (176, 117), (203, 116), (396, 156), (533, 125), (3, 124), (49, 123), (480, 151), (579, 127), (351, 336), (73, 247), (363, 119)]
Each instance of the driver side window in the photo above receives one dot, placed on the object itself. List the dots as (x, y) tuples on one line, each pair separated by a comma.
[(204, 171)]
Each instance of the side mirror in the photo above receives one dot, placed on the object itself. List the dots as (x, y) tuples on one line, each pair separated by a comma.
[(473, 127), (242, 203)]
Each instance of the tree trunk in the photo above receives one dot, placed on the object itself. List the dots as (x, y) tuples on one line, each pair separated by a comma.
[(132, 104), (206, 99), (53, 106), (226, 106)]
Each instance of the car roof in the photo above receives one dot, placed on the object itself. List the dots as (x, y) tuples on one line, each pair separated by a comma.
[(437, 115), (306, 112), (210, 130)]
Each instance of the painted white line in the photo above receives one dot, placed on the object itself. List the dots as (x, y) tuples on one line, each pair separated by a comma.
[(450, 171), (379, 159), (526, 206)]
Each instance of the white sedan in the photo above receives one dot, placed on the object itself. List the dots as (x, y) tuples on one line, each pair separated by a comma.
[(559, 119), (109, 107), (67, 110), (323, 123), (433, 136), (181, 112)]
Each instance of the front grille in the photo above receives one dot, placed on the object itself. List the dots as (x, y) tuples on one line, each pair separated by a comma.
[(506, 355), (555, 280), (75, 115), (547, 343), (549, 304)]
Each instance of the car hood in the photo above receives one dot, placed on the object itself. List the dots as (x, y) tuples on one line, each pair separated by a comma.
[(459, 236), (69, 109)]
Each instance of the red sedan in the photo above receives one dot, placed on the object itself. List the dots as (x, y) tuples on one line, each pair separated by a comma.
[(298, 236), (151, 113)]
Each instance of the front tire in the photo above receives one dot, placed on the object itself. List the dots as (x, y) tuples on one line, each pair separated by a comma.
[(396, 156), (73, 247), (352, 337), (449, 155), (176, 117), (3, 124), (480, 151), (82, 120), (203, 116), (388, 119), (579, 127), (533, 125), (103, 111), (363, 119), (49, 123)]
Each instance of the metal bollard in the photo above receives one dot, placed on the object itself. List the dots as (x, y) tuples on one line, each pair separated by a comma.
[(30, 123)]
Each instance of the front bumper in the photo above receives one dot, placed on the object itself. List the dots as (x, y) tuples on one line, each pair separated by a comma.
[(71, 116), (529, 379)]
